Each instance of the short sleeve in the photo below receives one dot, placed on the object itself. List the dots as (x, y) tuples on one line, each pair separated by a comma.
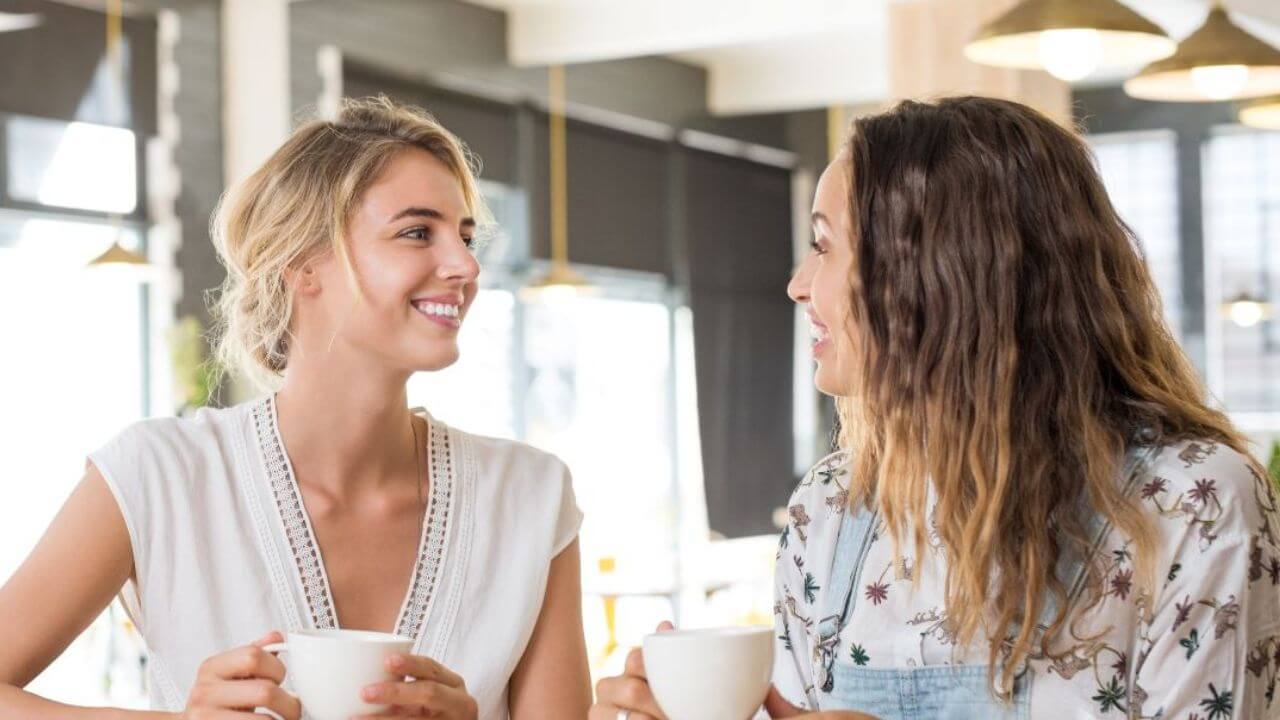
[(795, 588), (791, 670), (569, 517), (1212, 647), (122, 462)]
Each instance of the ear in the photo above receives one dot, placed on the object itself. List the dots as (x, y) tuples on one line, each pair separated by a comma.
[(304, 280)]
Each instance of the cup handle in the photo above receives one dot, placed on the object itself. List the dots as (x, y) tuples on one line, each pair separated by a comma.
[(276, 647)]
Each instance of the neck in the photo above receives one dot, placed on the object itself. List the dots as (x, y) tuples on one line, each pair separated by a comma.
[(346, 427)]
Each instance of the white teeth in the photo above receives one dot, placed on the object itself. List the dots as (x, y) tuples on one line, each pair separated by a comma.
[(449, 311), (817, 333)]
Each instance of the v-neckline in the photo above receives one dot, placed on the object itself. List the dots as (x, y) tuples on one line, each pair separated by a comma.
[(300, 538)]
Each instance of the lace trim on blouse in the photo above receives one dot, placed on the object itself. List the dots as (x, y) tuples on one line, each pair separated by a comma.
[(306, 551), (297, 529), (431, 552)]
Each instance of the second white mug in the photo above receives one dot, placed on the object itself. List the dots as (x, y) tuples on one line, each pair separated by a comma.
[(712, 674)]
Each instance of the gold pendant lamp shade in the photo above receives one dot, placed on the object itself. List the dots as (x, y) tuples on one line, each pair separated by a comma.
[(1069, 38), (117, 254), (1263, 114), (1220, 61)]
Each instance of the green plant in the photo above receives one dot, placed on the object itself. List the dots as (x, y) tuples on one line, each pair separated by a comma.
[(1273, 465), (193, 374)]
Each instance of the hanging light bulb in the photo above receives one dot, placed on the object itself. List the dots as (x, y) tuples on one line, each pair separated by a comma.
[(1246, 311), (1220, 61), (1069, 38), (1070, 54), (1220, 82)]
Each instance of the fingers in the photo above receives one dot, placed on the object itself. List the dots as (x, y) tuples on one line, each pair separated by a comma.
[(269, 639), (605, 711), (635, 664), (424, 668), (426, 694), (245, 695), (635, 658), (777, 706), (250, 661), (628, 692)]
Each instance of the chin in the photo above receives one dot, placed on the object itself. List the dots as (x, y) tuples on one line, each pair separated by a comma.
[(829, 382), (435, 361)]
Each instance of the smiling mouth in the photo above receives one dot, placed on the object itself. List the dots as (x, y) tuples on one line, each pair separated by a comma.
[(817, 331), (446, 314)]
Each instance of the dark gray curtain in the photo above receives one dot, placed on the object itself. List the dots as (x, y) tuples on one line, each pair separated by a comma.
[(50, 70), (739, 242), (616, 203), (488, 128)]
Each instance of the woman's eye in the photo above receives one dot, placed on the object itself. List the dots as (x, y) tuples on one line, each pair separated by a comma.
[(417, 233), (817, 247), (470, 242)]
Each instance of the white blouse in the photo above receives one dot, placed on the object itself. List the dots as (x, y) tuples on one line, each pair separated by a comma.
[(1210, 649), (224, 551)]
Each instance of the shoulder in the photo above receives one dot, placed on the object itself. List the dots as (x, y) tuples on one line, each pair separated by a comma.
[(158, 456), (529, 489), (512, 458), (1209, 488), (817, 503), (503, 469), (175, 435)]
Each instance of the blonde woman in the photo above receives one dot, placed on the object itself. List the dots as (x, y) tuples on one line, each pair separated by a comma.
[(326, 503), (1034, 511)]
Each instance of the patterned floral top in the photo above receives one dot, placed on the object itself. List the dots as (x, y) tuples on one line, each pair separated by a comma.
[(1209, 650)]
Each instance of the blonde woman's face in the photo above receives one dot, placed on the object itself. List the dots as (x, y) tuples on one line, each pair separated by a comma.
[(820, 283), (410, 241)]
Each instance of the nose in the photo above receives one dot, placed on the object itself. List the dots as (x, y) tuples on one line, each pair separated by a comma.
[(801, 280), (458, 263)]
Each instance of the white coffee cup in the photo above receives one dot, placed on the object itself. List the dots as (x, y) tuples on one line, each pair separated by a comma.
[(328, 668), (710, 674)]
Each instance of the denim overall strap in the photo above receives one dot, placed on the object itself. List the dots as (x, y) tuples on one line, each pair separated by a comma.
[(853, 542), (1071, 567)]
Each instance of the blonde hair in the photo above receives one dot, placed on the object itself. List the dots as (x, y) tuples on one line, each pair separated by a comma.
[(295, 208)]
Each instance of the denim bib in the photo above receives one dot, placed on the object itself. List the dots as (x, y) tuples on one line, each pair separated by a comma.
[(938, 692)]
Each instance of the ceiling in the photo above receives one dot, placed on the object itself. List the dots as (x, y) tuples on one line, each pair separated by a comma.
[(765, 55)]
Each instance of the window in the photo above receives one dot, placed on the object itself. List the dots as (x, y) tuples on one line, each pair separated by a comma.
[(71, 165), (1242, 233), (1140, 173), (71, 377)]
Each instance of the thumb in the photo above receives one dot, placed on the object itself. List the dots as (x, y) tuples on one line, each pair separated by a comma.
[(777, 706), (272, 637), (665, 626)]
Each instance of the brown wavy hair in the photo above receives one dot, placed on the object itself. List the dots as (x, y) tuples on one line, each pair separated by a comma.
[(1008, 343)]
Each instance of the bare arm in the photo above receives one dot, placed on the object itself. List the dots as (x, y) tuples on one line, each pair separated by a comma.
[(552, 680), (79, 565)]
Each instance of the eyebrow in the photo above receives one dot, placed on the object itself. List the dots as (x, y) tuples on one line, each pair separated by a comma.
[(430, 214)]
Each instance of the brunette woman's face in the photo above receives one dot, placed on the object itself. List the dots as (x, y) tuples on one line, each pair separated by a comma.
[(410, 239), (821, 282)]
